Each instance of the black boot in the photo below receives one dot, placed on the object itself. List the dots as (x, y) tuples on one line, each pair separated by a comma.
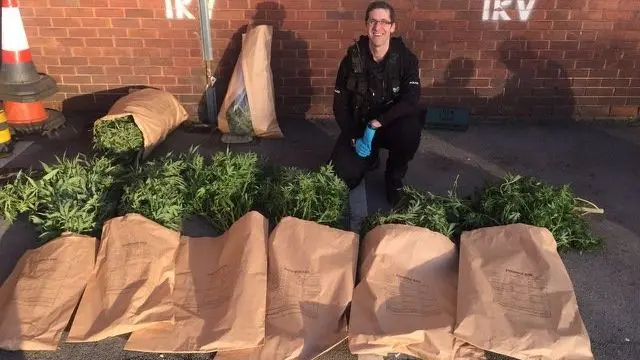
[(393, 177), (393, 192), (393, 186)]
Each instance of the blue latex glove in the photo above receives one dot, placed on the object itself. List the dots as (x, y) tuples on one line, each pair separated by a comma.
[(363, 144)]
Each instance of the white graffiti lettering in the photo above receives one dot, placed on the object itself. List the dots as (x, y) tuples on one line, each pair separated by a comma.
[(525, 9), (182, 11), (179, 9), (498, 11)]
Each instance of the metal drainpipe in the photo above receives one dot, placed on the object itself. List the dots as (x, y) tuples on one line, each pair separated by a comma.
[(207, 57)]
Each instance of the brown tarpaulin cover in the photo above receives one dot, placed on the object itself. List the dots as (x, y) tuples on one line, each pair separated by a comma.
[(220, 293), (38, 298), (131, 285), (516, 297), (405, 301), (156, 113), (250, 95), (310, 282)]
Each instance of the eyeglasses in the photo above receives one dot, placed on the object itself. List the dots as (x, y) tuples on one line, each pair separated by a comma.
[(373, 22)]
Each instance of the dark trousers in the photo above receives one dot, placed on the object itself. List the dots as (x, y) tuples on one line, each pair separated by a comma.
[(401, 138)]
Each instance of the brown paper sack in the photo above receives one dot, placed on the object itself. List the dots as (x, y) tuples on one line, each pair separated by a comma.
[(405, 301), (310, 283), (130, 287), (156, 113), (220, 293), (516, 297), (249, 105), (38, 298)]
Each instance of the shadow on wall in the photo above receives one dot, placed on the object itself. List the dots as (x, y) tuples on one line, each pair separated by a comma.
[(535, 88), (562, 154), (97, 104), (290, 64), (453, 90)]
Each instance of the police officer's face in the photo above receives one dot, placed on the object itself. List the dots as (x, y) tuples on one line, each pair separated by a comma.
[(380, 27)]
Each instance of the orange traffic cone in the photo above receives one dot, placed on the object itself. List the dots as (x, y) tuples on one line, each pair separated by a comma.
[(22, 88)]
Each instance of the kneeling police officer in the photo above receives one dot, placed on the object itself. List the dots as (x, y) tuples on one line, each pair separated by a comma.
[(376, 99)]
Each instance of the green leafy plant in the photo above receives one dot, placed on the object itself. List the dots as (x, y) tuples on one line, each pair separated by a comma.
[(449, 215), (72, 195), (516, 199), (225, 189), (19, 196), (524, 199), (76, 195), (119, 138), (319, 196), (158, 191), (239, 116)]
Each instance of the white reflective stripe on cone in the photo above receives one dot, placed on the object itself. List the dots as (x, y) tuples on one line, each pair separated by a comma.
[(14, 37)]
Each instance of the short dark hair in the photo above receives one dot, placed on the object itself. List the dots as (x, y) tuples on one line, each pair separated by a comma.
[(381, 5)]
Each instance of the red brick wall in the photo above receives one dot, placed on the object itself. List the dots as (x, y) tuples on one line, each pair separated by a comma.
[(570, 57)]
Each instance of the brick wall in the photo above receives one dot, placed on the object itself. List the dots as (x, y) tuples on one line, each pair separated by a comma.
[(542, 58)]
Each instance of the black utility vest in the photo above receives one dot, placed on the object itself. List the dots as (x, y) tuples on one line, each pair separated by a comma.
[(372, 91)]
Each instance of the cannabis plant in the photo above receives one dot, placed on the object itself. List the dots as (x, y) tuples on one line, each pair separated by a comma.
[(524, 199), (223, 189), (74, 194), (19, 196), (319, 196), (516, 199), (448, 215), (239, 116), (119, 138), (158, 191)]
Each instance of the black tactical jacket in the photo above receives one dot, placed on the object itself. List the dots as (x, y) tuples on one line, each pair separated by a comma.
[(385, 91)]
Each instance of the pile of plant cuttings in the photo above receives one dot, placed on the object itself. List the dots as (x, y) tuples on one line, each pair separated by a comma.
[(523, 199), (449, 215), (158, 191), (118, 138), (222, 189), (74, 194), (319, 196), (516, 199), (79, 194), (239, 116), (19, 196)]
